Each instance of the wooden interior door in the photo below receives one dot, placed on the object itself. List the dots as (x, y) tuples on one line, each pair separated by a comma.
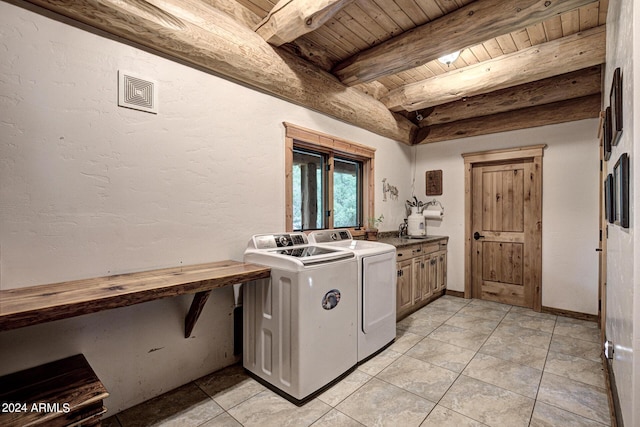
[(505, 231)]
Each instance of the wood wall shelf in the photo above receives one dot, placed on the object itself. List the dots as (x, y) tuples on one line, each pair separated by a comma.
[(39, 304)]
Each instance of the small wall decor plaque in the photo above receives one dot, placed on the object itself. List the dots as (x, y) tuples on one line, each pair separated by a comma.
[(434, 182), (615, 102), (621, 191)]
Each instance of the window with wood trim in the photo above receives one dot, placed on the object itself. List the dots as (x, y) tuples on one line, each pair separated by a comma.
[(329, 181)]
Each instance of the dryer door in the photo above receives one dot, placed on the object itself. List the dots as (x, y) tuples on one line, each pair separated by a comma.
[(378, 291)]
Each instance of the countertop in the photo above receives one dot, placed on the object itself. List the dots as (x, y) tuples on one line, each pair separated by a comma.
[(404, 241)]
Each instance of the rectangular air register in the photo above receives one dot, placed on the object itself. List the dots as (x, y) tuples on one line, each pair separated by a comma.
[(137, 93)]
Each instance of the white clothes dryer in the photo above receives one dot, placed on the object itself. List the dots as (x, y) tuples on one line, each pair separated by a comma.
[(376, 288), (300, 325)]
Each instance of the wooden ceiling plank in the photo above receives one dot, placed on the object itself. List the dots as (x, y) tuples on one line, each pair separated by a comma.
[(537, 34), (290, 19), (589, 16), (359, 31), (396, 14), (553, 28), (560, 112), (335, 39), (493, 48), (354, 10), (413, 11), (447, 5), (379, 16), (554, 89), (560, 56), (259, 7), (212, 40), (480, 53), (430, 8), (602, 12), (521, 39), (467, 26), (570, 22), (468, 57), (507, 44)]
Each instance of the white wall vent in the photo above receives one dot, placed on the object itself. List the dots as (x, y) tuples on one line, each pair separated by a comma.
[(137, 93)]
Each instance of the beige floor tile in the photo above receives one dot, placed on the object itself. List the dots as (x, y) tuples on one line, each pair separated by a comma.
[(515, 333), (483, 312), (184, 406), (230, 386), (376, 364), (514, 351), (449, 304), (473, 323), (526, 321), (269, 409), (422, 378), (576, 347), (432, 314), (465, 338), (378, 403), (418, 325), (443, 417), (490, 304), (335, 418), (404, 341), (344, 388), (515, 377), (222, 420), (576, 368), (576, 397), (549, 416), (529, 312), (441, 354), (580, 329), (487, 403)]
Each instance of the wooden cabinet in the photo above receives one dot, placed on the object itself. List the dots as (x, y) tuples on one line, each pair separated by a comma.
[(422, 275)]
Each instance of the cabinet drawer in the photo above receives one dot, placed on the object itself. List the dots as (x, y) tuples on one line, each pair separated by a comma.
[(408, 252), (429, 248)]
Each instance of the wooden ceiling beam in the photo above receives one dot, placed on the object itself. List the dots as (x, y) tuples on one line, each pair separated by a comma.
[(470, 25), (198, 34), (290, 19), (586, 107), (549, 59), (587, 81)]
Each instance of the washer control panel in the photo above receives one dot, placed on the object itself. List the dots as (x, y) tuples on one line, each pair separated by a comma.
[(327, 236), (270, 241)]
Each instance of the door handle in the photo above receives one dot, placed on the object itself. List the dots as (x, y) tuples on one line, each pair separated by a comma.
[(477, 236), (598, 250)]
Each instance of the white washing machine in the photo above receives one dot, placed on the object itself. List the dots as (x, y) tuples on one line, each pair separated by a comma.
[(300, 325), (376, 288)]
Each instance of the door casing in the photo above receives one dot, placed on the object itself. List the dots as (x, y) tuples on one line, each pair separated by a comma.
[(535, 153)]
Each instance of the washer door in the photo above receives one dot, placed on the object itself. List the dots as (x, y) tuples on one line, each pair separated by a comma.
[(378, 291)]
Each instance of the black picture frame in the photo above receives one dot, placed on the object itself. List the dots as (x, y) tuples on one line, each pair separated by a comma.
[(608, 199), (615, 103), (621, 191), (606, 135)]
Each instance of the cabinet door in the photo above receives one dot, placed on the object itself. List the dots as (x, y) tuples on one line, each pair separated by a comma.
[(427, 277), (432, 266), (404, 298), (417, 278), (442, 270)]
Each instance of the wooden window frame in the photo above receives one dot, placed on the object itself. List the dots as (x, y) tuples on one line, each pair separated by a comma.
[(327, 144)]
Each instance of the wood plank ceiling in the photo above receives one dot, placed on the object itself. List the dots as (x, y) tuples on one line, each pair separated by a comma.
[(373, 63), (460, 108)]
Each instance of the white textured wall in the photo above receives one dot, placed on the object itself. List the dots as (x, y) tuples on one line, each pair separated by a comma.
[(90, 189), (622, 258), (569, 207)]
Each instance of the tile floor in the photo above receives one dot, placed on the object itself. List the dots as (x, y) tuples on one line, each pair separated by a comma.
[(455, 362)]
